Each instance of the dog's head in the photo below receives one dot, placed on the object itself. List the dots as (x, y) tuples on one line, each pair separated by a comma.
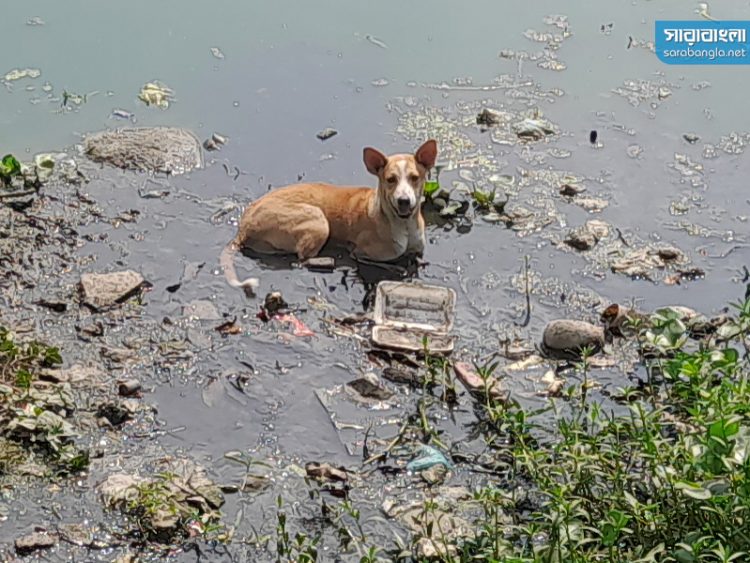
[(401, 177)]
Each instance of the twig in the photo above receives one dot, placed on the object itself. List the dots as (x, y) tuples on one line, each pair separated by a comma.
[(11, 195), (388, 448), (527, 318)]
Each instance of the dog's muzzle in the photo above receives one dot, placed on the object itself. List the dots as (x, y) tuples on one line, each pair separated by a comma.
[(403, 207)]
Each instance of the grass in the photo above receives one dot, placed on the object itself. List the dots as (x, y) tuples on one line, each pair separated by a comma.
[(667, 481)]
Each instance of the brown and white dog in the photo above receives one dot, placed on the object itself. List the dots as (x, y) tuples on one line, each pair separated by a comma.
[(379, 225)]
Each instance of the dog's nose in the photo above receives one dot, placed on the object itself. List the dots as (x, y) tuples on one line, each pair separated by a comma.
[(404, 204)]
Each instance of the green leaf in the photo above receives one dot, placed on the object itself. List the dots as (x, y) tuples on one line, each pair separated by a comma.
[(23, 378), (431, 187), (693, 491), (52, 357), (9, 166)]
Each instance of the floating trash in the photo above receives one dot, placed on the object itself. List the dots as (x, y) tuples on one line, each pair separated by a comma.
[(427, 458), (156, 94), (122, 114), (326, 134), (375, 41), (407, 314), (19, 73)]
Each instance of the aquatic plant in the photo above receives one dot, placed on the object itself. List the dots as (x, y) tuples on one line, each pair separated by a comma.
[(667, 481), (9, 167)]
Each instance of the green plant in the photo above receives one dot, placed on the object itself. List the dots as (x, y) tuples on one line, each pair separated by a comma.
[(666, 480), (9, 167), (300, 549)]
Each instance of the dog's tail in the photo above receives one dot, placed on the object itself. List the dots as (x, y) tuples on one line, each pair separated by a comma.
[(227, 264)]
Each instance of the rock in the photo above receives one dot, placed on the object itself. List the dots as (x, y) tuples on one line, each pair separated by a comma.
[(581, 239), (566, 338), (199, 482), (117, 355), (128, 387), (402, 376), (571, 190), (492, 117), (691, 138), (669, 253), (434, 475), (479, 387), (34, 541), (591, 204), (118, 489), (76, 534), (325, 472), (77, 373), (116, 412), (588, 235), (100, 291), (370, 387), (201, 309), (326, 134), (554, 384), (214, 142), (255, 483), (168, 150), (434, 549)]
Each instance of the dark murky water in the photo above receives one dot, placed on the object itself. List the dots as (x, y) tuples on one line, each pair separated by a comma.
[(291, 69)]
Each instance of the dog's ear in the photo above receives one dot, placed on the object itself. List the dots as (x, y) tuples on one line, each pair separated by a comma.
[(426, 155), (375, 160)]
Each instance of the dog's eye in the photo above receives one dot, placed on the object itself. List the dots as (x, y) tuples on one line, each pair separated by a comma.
[(413, 178), (391, 179)]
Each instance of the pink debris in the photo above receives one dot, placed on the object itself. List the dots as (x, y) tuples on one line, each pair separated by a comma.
[(300, 328)]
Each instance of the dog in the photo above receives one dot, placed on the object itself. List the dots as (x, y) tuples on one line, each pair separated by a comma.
[(377, 224)]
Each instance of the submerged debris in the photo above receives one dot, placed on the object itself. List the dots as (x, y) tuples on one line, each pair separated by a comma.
[(638, 262), (150, 149)]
